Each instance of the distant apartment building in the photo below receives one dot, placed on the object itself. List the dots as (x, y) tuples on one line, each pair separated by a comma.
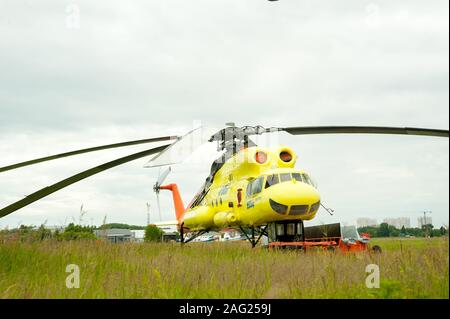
[(421, 221), (364, 222), (398, 222)]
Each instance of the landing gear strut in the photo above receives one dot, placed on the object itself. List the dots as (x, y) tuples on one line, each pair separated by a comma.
[(194, 235), (259, 231)]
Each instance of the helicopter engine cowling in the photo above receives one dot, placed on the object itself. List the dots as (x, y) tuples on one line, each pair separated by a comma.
[(224, 219)]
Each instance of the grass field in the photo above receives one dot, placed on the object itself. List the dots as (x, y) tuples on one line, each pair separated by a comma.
[(409, 268)]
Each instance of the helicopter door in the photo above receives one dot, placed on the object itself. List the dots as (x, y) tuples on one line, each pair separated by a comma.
[(254, 188)]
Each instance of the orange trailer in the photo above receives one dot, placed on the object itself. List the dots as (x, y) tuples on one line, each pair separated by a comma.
[(326, 237)]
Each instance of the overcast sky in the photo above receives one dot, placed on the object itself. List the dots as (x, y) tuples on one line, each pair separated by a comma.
[(77, 74)]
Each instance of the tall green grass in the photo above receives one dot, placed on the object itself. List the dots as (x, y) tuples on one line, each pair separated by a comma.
[(413, 268)]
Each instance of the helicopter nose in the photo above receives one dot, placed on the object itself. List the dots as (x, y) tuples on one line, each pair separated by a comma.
[(293, 198)]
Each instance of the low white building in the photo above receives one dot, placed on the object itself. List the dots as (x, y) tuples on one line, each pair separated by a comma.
[(139, 235), (115, 235)]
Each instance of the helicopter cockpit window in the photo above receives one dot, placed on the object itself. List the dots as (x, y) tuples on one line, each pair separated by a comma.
[(249, 189), (255, 186), (272, 180), (306, 179), (297, 177), (223, 190), (285, 177)]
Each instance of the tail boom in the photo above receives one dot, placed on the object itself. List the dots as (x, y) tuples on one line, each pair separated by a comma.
[(177, 201)]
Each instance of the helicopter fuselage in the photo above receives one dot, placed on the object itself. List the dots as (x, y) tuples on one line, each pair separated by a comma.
[(254, 187)]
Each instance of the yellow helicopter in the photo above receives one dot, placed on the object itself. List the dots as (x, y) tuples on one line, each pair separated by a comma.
[(256, 186), (252, 188)]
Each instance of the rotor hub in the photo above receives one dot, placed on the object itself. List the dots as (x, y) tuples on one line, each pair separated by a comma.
[(233, 138)]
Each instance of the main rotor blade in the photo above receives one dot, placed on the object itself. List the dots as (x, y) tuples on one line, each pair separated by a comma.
[(86, 150), (76, 178), (303, 130), (163, 176), (179, 150)]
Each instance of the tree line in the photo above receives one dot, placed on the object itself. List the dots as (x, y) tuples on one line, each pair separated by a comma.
[(73, 232), (32, 233), (386, 230)]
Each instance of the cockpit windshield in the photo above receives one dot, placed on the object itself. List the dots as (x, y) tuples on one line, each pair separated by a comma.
[(286, 177), (297, 177), (307, 179), (272, 180), (255, 186)]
